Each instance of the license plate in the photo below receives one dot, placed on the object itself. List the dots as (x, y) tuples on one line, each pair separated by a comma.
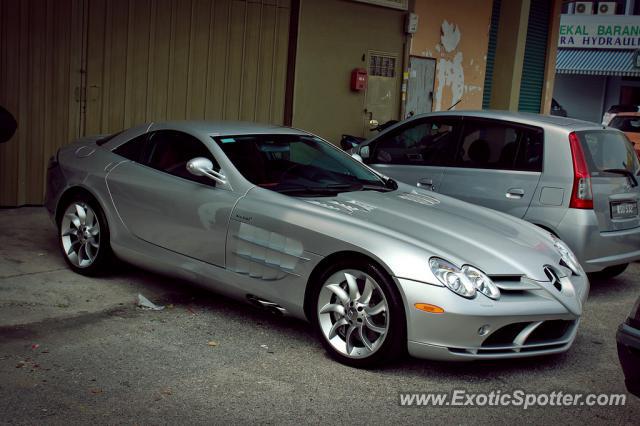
[(624, 210)]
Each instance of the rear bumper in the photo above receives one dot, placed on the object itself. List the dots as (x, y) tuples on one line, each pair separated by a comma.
[(597, 250), (629, 354)]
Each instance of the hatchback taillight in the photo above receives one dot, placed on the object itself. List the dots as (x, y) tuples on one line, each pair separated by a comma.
[(582, 194)]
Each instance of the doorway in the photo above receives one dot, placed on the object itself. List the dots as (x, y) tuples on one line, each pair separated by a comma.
[(422, 72)]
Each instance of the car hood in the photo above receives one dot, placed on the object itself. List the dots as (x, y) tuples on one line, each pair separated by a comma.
[(463, 233)]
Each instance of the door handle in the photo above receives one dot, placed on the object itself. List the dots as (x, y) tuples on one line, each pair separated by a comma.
[(426, 184), (515, 193)]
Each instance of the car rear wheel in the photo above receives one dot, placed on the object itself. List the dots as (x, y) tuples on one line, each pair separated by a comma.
[(359, 315), (84, 236), (610, 272)]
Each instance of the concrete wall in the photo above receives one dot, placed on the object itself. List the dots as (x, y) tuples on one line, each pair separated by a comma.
[(456, 34), (581, 95)]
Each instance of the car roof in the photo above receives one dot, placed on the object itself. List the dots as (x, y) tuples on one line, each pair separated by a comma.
[(223, 128), (527, 118)]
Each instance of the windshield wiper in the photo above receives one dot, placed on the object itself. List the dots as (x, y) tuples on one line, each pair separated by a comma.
[(624, 172), (323, 190), (379, 188)]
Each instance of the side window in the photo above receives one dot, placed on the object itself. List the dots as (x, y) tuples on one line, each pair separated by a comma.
[(170, 151), (420, 143), (500, 146), (530, 156), (133, 149)]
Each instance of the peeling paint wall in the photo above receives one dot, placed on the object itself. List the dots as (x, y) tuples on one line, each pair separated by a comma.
[(456, 34)]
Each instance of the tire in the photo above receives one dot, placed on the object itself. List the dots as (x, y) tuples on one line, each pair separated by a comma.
[(83, 236), (362, 331), (610, 272)]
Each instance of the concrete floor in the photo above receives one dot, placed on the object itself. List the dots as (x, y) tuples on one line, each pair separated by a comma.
[(74, 349)]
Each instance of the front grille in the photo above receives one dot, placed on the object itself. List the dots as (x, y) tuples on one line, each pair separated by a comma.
[(553, 278), (504, 336), (548, 333), (550, 330)]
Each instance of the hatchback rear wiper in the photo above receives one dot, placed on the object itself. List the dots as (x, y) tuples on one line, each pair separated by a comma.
[(624, 172)]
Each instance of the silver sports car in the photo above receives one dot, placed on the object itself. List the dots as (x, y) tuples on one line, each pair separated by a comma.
[(282, 219)]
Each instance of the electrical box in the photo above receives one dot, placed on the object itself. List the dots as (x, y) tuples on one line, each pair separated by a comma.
[(412, 23), (358, 79)]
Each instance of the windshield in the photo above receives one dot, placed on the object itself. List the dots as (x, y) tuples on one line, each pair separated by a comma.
[(626, 124), (609, 150), (298, 164)]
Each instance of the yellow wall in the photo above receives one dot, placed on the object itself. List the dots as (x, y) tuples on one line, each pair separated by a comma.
[(334, 37), (460, 67)]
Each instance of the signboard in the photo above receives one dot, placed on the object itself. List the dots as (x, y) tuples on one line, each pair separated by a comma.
[(395, 4), (599, 31), (636, 59)]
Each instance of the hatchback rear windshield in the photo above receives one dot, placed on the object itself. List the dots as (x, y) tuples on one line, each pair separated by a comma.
[(608, 150)]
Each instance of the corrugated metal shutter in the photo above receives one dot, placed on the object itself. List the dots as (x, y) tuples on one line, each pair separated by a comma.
[(535, 55), (491, 53), (146, 60)]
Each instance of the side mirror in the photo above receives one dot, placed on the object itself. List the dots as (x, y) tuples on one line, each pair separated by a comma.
[(357, 157), (201, 166)]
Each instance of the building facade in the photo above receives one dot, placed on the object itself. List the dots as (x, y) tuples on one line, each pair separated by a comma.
[(71, 68), (597, 58)]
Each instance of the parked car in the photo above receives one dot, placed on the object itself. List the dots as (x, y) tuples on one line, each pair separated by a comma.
[(282, 219), (617, 109), (557, 109), (629, 123), (628, 338), (573, 178)]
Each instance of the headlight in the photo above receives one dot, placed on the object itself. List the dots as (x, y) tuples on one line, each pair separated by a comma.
[(465, 282), (481, 282), (567, 255)]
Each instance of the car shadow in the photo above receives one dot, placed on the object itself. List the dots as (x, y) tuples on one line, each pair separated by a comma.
[(192, 297), (605, 286)]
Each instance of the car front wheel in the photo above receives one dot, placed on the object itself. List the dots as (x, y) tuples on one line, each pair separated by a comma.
[(84, 236), (359, 315)]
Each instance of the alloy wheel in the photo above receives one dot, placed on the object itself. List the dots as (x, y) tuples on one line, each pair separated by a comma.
[(80, 234), (353, 313)]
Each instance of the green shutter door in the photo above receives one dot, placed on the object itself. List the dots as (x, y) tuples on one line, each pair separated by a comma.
[(491, 53), (535, 54)]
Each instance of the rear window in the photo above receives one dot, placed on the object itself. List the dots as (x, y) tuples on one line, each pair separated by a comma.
[(605, 150), (626, 124)]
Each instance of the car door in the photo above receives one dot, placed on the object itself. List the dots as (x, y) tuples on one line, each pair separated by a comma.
[(498, 165), (160, 202), (416, 152)]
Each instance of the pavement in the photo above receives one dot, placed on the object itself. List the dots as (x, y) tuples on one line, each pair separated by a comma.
[(78, 350)]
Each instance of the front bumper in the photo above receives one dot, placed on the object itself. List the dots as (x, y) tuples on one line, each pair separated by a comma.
[(520, 324), (597, 250), (628, 339)]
